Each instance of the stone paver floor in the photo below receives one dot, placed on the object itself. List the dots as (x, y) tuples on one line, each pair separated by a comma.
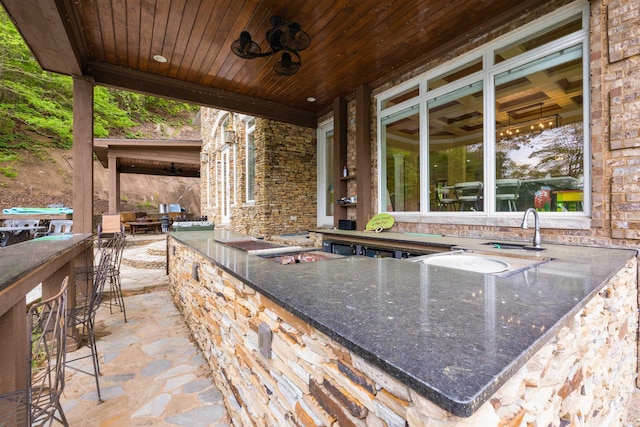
[(152, 373)]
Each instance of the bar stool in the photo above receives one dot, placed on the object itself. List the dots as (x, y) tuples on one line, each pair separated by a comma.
[(89, 288), (47, 330), (111, 236)]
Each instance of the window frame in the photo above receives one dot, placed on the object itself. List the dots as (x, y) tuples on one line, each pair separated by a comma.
[(249, 132), (323, 220), (490, 216)]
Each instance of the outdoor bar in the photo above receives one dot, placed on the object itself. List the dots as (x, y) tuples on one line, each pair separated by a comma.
[(22, 267), (453, 119), (366, 339)]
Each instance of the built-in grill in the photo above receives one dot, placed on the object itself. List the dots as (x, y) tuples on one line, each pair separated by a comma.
[(165, 220), (252, 245)]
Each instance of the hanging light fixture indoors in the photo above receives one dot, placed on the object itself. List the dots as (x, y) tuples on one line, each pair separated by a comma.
[(283, 36), (530, 127)]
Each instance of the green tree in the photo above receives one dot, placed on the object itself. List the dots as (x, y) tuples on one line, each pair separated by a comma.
[(34, 100)]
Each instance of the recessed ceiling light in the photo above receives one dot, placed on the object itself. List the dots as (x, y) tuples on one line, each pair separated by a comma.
[(159, 58), (311, 99)]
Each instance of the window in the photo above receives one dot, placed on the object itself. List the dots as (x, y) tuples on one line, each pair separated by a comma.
[(540, 133), (326, 164), (251, 160), (400, 161), (495, 132), (456, 149)]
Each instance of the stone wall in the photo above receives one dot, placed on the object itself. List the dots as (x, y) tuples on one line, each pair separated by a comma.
[(285, 178), (583, 376)]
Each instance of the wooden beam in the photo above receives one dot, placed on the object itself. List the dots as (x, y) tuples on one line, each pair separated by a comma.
[(363, 155), (40, 24), (114, 185), (82, 155), (339, 156), (150, 84)]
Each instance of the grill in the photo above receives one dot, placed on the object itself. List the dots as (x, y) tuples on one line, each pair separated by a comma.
[(252, 245)]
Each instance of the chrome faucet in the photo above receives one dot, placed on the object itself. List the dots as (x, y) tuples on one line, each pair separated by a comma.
[(536, 220)]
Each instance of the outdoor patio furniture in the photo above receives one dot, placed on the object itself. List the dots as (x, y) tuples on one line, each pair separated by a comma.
[(47, 333), (16, 231), (469, 194), (446, 198), (507, 191), (89, 288), (139, 225), (46, 336), (115, 246), (58, 227)]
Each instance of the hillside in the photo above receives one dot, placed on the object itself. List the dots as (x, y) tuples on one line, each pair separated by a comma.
[(45, 175)]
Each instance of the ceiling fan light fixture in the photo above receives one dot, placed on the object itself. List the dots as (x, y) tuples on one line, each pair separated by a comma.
[(245, 47), (285, 66), (173, 170), (282, 36)]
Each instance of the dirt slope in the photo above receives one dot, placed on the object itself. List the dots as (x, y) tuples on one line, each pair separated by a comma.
[(48, 178)]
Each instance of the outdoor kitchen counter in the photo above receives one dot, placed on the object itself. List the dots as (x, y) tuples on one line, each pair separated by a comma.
[(453, 336)]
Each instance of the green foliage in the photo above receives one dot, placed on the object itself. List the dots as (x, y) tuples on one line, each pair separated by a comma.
[(145, 205), (9, 172), (40, 102)]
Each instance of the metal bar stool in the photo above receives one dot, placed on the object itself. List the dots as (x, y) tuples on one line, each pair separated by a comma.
[(115, 245), (89, 288), (47, 330)]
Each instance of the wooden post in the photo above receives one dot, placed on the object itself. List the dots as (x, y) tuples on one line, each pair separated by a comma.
[(339, 156), (83, 155), (363, 155), (114, 185)]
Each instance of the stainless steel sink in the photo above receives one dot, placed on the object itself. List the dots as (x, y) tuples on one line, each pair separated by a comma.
[(482, 262), (509, 245)]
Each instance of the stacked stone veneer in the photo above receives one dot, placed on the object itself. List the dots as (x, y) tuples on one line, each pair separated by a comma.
[(582, 376), (285, 177)]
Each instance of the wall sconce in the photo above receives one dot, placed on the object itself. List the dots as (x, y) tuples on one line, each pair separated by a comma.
[(194, 271), (230, 136), (230, 133)]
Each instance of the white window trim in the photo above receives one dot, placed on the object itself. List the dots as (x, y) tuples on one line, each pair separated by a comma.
[(578, 220), (250, 130), (323, 220)]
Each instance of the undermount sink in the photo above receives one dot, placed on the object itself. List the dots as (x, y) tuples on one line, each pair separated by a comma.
[(482, 262), (509, 245)]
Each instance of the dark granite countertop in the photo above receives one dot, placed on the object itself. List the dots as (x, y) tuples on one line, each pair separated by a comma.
[(16, 261), (454, 336)]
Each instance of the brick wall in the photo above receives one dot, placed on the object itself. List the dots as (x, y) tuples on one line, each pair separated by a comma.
[(616, 72), (583, 376), (615, 126)]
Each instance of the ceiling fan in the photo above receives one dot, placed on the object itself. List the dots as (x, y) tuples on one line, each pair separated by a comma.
[(284, 36), (173, 170)]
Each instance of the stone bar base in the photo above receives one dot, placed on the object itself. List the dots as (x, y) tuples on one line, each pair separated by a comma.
[(583, 376)]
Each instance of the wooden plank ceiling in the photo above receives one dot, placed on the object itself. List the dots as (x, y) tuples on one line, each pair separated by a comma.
[(367, 42)]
